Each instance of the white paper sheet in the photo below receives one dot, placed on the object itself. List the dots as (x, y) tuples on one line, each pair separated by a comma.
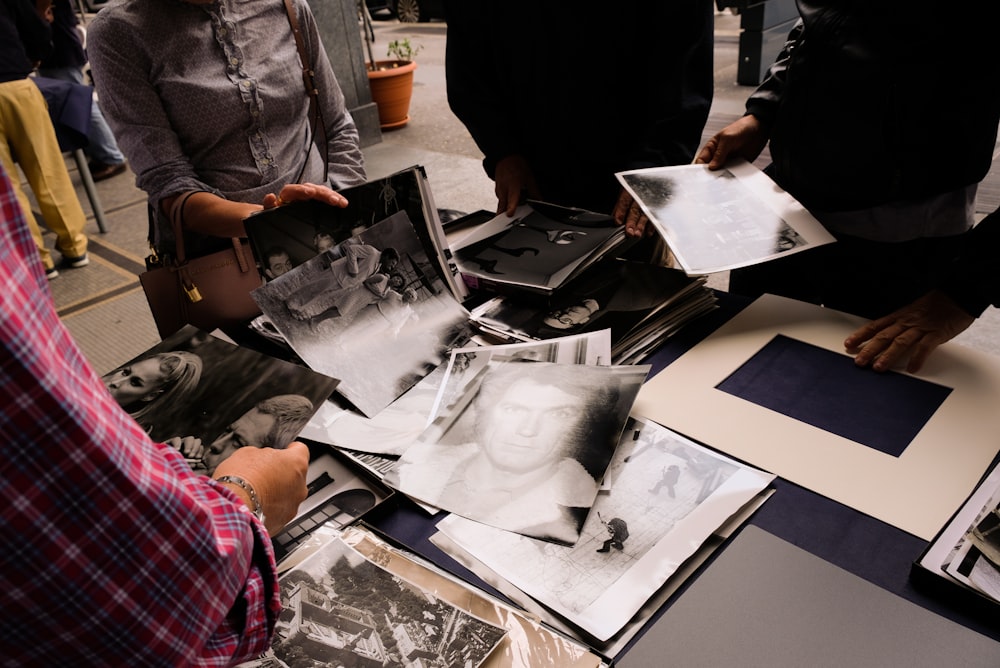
[(719, 220)]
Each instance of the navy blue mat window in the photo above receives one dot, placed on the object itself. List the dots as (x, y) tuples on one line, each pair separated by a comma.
[(825, 389)]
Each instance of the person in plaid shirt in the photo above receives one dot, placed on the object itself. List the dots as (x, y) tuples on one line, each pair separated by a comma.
[(113, 551)]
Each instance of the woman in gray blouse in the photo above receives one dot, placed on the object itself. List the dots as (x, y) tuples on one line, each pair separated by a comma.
[(207, 102)]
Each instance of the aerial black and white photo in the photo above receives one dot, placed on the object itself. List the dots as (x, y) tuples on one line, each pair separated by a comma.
[(341, 609)]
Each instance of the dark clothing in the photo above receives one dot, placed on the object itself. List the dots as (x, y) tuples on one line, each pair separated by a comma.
[(581, 94), (867, 278), (974, 279), (25, 38), (618, 530), (67, 43), (876, 102), (873, 106)]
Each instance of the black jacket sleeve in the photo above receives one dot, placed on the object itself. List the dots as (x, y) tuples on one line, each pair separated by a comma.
[(974, 281)]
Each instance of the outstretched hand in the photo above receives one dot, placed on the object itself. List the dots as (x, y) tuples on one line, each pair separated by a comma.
[(278, 477), (914, 331), (298, 192), (744, 138), (514, 178)]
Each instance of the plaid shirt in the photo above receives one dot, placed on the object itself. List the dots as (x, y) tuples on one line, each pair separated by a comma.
[(112, 552)]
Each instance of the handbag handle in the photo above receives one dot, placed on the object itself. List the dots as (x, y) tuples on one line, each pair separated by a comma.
[(309, 81), (180, 262)]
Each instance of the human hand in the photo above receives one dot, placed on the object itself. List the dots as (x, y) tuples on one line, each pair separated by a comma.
[(298, 192), (189, 446), (914, 330), (744, 138), (278, 477), (514, 178), (628, 213)]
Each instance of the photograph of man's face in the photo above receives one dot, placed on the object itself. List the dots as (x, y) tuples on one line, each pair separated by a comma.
[(528, 428), (524, 447), (254, 428), (571, 316)]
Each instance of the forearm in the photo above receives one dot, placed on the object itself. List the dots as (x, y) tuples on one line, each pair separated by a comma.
[(209, 214)]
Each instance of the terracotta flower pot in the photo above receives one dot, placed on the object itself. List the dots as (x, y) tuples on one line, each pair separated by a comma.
[(392, 86)]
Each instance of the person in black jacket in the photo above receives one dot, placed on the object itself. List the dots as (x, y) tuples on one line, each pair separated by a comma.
[(882, 119), (911, 333), (558, 101)]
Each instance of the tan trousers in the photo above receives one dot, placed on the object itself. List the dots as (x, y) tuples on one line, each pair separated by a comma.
[(26, 132)]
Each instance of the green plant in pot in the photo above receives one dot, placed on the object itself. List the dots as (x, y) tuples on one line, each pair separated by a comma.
[(391, 83)]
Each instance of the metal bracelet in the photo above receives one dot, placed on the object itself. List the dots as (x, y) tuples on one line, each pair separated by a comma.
[(258, 511)]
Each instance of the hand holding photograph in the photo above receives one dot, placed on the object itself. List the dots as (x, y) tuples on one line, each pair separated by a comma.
[(719, 220), (207, 397), (525, 447)]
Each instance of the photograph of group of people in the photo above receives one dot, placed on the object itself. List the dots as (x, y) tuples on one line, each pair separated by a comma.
[(373, 296)]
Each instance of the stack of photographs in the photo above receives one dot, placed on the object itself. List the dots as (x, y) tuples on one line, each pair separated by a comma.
[(642, 305), (537, 250)]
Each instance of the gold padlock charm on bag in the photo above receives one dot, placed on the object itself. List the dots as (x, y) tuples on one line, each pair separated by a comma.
[(192, 293)]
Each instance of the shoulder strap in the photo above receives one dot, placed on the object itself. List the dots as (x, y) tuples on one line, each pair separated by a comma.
[(309, 81)]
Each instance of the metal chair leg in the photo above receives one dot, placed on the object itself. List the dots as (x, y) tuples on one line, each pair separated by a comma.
[(88, 185)]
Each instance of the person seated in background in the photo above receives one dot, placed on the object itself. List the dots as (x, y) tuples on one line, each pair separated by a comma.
[(971, 283), (28, 138), (213, 116), (116, 552), (66, 63)]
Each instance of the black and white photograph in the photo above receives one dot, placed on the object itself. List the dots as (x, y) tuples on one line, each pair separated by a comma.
[(389, 432), (615, 294), (207, 397), (525, 447), (666, 495), (467, 365), (374, 297), (284, 237), (342, 609), (719, 220), (534, 251)]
